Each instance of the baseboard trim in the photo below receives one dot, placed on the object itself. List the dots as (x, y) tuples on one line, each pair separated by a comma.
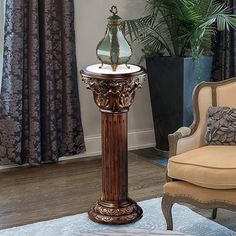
[(137, 139), (141, 139)]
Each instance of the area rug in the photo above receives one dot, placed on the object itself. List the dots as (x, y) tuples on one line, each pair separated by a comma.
[(185, 221), (135, 232)]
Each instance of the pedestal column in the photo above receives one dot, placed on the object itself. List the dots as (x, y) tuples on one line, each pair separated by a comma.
[(114, 157), (114, 94)]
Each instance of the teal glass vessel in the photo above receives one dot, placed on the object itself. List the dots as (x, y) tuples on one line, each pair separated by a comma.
[(114, 49)]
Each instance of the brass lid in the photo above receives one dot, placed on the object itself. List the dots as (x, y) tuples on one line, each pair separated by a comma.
[(114, 19)]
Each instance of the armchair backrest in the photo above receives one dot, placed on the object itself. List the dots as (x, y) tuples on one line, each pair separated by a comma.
[(208, 94), (226, 93), (205, 95)]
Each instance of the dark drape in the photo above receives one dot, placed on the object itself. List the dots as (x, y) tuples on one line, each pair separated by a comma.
[(39, 102), (224, 63)]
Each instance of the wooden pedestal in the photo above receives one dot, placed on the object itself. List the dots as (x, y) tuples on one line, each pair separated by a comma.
[(114, 94)]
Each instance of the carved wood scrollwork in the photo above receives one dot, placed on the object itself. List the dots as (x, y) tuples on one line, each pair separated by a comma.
[(114, 215), (114, 95)]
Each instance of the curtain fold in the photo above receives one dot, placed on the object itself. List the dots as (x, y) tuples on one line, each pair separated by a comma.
[(224, 61), (39, 103)]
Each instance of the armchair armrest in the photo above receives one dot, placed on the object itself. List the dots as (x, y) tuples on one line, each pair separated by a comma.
[(175, 137), (184, 131), (173, 144), (186, 139)]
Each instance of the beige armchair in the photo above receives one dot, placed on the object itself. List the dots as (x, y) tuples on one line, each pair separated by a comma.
[(200, 174)]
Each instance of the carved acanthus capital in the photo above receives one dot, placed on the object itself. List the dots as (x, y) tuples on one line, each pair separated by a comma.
[(114, 95)]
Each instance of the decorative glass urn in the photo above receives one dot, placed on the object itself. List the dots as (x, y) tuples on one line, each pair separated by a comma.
[(114, 49)]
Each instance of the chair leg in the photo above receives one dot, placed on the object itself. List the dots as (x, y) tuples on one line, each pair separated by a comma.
[(166, 206), (214, 213)]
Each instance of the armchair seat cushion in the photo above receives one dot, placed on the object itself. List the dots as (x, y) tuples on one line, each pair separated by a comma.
[(210, 167)]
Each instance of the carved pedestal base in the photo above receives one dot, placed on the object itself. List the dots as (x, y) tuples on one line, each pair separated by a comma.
[(114, 93), (110, 213)]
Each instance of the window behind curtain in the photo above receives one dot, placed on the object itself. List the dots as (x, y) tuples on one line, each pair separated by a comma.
[(2, 8)]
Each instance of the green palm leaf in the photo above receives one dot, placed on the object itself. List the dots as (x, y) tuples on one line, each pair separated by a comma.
[(180, 27)]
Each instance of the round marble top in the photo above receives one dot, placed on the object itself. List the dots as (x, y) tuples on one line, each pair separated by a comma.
[(107, 69)]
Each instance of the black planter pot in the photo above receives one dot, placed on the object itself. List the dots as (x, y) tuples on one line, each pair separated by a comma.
[(171, 82)]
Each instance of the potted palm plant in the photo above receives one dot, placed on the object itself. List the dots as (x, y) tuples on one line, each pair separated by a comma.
[(177, 38)]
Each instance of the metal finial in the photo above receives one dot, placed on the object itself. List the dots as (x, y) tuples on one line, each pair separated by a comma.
[(114, 10)]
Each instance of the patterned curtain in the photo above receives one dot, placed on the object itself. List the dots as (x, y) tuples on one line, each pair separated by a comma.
[(224, 63), (39, 102)]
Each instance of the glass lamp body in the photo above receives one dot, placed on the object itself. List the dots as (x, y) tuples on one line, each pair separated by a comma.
[(114, 49)]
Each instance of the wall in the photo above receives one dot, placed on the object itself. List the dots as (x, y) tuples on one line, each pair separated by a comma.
[(90, 18)]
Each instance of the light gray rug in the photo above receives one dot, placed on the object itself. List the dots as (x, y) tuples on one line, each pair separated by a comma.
[(185, 221), (135, 232)]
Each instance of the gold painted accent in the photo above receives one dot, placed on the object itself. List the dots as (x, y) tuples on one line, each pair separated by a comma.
[(114, 67)]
